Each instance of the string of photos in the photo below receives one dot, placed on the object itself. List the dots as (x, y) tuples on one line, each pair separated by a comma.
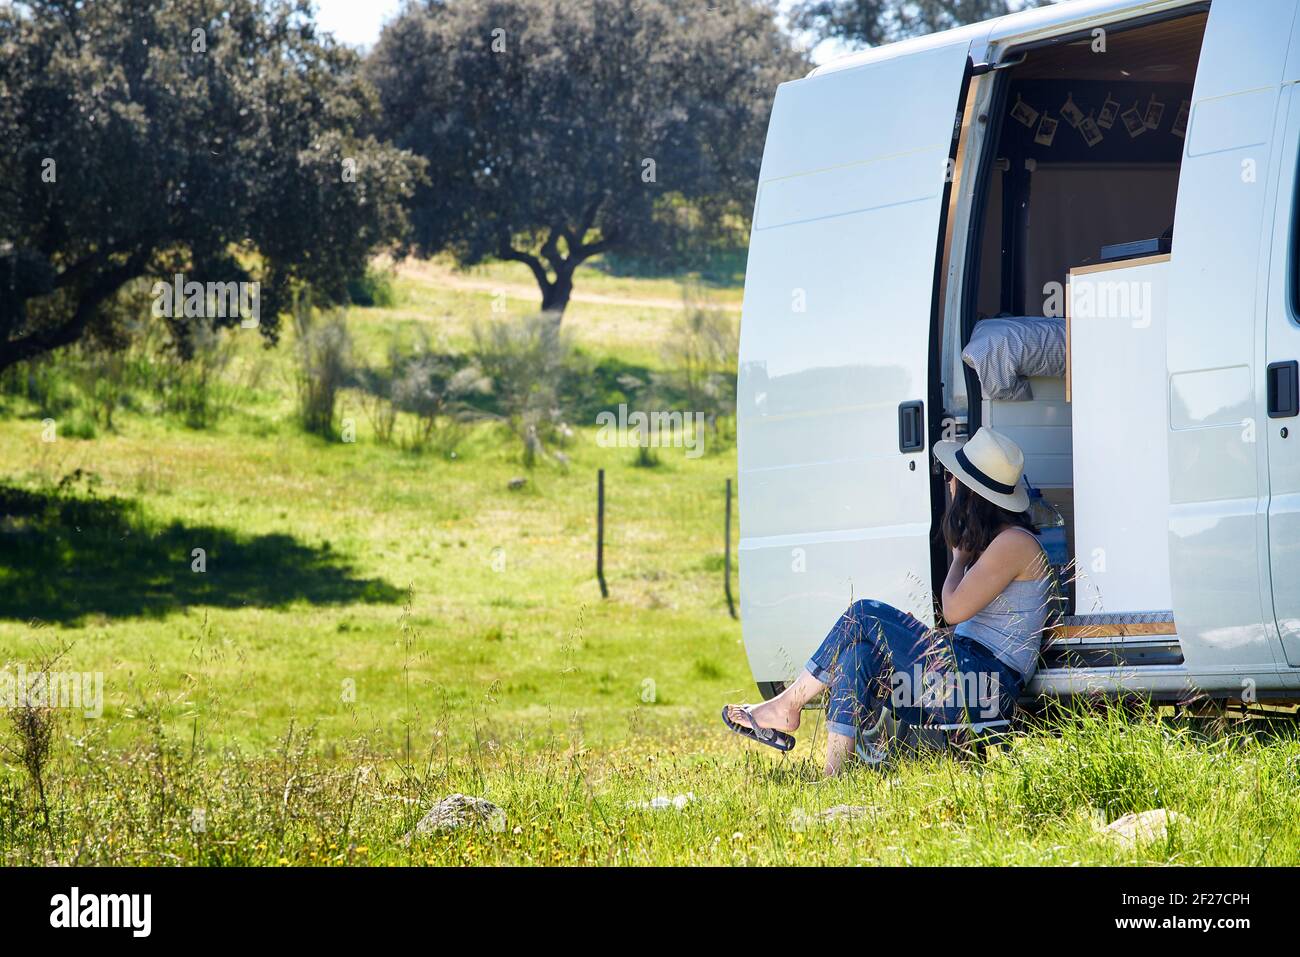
[(1093, 125)]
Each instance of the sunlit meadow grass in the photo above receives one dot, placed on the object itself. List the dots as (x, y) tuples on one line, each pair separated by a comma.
[(378, 628)]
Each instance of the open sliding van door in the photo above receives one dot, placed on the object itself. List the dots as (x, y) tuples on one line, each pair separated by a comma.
[(837, 373), (1281, 373)]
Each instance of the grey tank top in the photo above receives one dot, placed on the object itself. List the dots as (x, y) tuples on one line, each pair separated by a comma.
[(1011, 625)]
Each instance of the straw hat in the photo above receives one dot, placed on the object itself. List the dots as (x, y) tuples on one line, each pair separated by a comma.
[(989, 464)]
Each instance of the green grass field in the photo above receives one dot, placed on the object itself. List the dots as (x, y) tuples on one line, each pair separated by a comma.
[(378, 628)]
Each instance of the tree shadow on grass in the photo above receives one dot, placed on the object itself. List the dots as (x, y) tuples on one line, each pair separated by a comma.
[(63, 558)]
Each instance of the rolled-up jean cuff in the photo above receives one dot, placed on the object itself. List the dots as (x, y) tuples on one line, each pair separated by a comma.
[(817, 671), (848, 730)]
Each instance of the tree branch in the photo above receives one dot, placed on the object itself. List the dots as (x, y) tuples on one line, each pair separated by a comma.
[(508, 252), (604, 244), (101, 256), (589, 217), (551, 249), (68, 332)]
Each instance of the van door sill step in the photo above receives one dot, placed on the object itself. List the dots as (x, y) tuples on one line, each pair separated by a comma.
[(1113, 639), (1114, 625)]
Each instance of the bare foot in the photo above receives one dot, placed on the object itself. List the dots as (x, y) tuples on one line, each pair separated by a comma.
[(774, 714)]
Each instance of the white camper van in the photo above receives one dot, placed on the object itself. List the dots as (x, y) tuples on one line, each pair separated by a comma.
[(1078, 225)]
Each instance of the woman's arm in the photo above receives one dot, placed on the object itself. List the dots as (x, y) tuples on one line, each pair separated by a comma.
[(967, 591), (956, 572)]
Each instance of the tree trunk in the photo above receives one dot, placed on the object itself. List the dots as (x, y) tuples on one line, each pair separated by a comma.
[(555, 295)]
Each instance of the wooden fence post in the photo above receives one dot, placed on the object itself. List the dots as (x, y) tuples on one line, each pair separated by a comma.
[(600, 533)]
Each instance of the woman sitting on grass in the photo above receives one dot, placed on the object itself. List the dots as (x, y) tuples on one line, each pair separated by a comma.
[(996, 594)]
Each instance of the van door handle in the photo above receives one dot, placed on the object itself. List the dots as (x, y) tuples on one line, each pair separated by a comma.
[(911, 426), (1283, 389)]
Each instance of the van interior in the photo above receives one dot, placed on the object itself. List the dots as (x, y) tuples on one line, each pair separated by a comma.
[(1079, 171)]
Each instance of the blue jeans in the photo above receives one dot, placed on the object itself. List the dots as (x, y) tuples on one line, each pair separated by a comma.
[(876, 656)]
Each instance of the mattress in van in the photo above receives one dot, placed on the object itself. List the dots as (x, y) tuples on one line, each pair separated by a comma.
[(1006, 350)]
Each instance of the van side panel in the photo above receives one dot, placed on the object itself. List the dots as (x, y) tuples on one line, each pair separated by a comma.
[(834, 337), (1219, 264)]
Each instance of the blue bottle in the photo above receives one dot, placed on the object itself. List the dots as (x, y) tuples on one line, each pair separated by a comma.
[(1050, 526)]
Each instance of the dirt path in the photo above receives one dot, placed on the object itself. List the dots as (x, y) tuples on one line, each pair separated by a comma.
[(523, 291)]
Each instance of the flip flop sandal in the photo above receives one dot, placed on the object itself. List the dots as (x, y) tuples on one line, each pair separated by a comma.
[(769, 736)]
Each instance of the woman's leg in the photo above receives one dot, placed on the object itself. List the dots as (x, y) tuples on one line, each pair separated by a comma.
[(839, 748), (857, 660), (854, 660), (857, 676)]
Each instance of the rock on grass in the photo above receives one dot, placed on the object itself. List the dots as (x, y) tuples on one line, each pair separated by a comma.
[(845, 812), (663, 803), (1142, 827), (457, 811)]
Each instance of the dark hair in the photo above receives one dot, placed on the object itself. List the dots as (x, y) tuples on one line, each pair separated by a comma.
[(972, 521)]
